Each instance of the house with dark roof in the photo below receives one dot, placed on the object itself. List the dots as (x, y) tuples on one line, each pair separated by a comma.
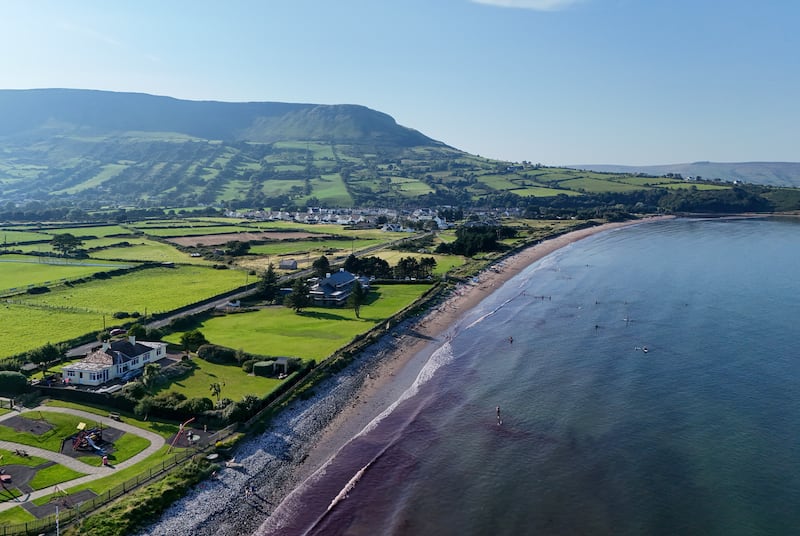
[(117, 359), (335, 288)]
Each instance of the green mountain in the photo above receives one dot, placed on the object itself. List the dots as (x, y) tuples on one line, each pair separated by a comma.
[(39, 113), (769, 173)]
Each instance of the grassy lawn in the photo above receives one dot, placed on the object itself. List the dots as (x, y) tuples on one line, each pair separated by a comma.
[(237, 383), (55, 474), (7, 457), (164, 429), (314, 334)]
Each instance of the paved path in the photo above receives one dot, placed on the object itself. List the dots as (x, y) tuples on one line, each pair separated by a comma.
[(93, 473)]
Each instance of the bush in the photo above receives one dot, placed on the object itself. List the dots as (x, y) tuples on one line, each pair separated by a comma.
[(37, 290), (217, 354), (263, 368), (121, 314), (12, 383), (247, 366), (195, 405)]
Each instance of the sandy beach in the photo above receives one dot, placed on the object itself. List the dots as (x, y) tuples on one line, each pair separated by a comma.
[(308, 433)]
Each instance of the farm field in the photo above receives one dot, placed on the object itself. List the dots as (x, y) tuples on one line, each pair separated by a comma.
[(155, 290), (598, 186), (26, 328), (10, 237), (314, 334), (142, 249), (302, 247), (195, 231), (21, 271)]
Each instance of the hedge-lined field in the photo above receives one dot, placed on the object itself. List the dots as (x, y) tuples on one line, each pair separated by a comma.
[(20, 271), (154, 290), (148, 250)]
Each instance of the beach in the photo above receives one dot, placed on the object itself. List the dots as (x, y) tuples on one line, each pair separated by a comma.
[(305, 436)]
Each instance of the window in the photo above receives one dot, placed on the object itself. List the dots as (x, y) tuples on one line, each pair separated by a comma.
[(71, 373)]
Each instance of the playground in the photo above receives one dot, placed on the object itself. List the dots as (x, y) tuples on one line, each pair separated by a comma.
[(95, 440)]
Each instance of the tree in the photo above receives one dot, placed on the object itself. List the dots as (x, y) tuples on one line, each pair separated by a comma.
[(322, 267), (12, 383), (268, 285), (151, 372), (137, 330), (216, 390), (192, 340), (66, 243), (143, 407), (298, 299), (357, 297)]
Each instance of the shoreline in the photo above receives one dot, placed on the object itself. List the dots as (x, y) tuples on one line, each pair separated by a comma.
[(432, 327), (308, 433)]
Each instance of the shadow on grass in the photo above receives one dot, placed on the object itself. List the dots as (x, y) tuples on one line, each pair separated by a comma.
[(320, 315)]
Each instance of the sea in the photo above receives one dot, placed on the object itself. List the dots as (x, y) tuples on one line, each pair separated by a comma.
[(645, 380)]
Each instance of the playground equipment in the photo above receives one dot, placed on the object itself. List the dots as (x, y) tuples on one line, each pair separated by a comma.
[(183, 431), (88, 439)]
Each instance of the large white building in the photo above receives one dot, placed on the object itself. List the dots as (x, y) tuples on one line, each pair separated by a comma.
[(116, 359)]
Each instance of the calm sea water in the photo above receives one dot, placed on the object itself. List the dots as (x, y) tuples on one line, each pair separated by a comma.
[(698, 435)]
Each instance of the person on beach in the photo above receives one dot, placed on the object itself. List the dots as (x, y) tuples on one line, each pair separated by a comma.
[(499, 420)]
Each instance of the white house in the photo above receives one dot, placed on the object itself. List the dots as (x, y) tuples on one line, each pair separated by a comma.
[(113, 360)]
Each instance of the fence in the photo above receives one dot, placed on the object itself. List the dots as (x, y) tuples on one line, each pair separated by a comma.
[(69, 515)]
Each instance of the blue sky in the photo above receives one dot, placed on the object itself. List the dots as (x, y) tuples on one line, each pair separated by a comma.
[(551, 81)]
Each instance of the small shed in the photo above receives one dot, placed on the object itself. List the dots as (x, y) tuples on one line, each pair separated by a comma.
[(287, 264)]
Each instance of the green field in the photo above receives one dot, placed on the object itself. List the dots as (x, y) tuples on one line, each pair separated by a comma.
[(153, 290), (142, 249), (592, 185), (18, 272), (541, 191), (320, 247), (443, 262), (314, 334), (26, 328), (11, 237), (195, 231)]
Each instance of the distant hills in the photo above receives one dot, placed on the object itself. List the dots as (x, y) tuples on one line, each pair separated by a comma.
[(84, 151), (769, 173), (47, 112)]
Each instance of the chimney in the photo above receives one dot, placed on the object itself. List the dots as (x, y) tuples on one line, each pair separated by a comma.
[(106, 346), (132, 340), (327, 275)]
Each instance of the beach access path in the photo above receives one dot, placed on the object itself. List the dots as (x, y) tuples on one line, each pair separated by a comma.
[(92, 472)]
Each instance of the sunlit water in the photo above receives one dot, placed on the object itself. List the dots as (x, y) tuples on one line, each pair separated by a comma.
[(700, 434)]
